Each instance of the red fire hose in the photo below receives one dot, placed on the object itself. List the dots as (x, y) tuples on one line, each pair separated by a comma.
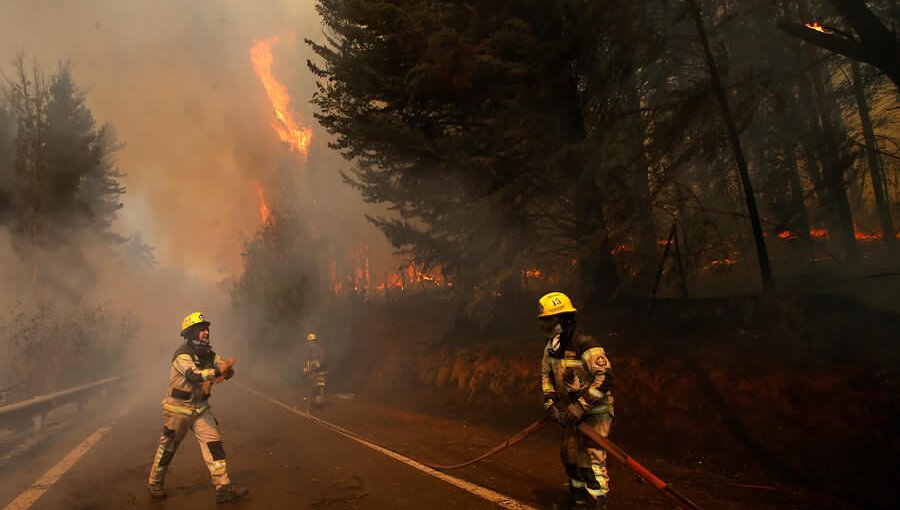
[(643, 472), (609, 446), (500, 447)]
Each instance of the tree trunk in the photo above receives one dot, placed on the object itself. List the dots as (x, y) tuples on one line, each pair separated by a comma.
[(598, 277), (797, 205), (646, 246), (834, 173), (810, 120), (878, 185), (762, 255)]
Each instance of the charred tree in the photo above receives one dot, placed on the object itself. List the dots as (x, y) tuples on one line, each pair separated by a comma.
[(735, 141)]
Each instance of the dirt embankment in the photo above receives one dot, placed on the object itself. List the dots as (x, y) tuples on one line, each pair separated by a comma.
[(791, 389)]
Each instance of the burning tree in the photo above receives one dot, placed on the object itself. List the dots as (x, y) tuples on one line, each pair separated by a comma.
[(530, 135), (477, 126), (281, 283)]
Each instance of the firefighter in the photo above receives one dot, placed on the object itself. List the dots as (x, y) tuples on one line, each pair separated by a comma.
[(577, 386), (195, 367), (315, 369)]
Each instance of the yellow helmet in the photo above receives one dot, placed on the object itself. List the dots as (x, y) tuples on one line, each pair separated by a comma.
[(311, 337), (554, 303), (192, 320)]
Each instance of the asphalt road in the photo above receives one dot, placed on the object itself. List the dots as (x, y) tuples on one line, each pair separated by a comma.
[(348, 455), (284, 458)]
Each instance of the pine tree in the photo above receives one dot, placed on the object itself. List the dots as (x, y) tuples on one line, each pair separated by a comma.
[(64, 183)]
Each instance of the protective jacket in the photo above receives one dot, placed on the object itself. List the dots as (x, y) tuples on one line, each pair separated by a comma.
[(576, 370), (315, 359), (191, 378)]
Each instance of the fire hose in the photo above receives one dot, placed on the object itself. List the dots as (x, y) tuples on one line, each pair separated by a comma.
[(620, 455), (527, 431), (609, 446)]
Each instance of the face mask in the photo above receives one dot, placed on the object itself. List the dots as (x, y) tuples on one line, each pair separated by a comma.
[(553, 336)]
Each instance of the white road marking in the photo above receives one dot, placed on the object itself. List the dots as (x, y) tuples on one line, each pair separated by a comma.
[(43, 484), (482, 492)]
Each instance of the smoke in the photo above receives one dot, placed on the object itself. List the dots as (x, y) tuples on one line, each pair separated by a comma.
[(175, 80)]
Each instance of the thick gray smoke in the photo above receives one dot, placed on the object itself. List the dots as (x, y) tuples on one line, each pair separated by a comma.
[(175, 80)]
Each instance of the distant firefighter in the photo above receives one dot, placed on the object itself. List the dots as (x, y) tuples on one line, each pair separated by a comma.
[(576, 380), (195, 368), (314, 368)]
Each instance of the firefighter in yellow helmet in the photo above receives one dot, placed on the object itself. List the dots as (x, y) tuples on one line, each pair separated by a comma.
[(576, 380), (195, 368), (314, 368)]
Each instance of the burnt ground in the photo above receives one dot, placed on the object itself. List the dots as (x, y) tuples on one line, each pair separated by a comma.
[(791, 401)]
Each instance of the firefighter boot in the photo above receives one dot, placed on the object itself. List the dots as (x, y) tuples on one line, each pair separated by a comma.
[(230, 492), (577, 500), (157, 491), (599, 503)]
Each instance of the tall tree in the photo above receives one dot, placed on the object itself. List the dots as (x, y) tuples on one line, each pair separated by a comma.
[(64, 181), (470, 120), (762, 254), (873, 156)]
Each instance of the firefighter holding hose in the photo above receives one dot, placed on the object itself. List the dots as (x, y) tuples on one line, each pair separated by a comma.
[(576, 380)]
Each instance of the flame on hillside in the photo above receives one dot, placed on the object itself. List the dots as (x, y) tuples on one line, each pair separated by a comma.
[(296, 136)]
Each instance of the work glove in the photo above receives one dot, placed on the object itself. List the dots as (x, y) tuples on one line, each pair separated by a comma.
[(550, 407), (225, 370), (570, 415)]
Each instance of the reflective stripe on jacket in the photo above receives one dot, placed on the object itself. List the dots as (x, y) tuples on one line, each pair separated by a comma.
[(580, 373), (190, 380)]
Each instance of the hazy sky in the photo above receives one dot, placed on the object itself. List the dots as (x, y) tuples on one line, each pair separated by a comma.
[(175, 80)]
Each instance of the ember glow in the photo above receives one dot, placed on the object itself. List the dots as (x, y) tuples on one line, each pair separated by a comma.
[(721, 263), (297, 137), (821, 233)]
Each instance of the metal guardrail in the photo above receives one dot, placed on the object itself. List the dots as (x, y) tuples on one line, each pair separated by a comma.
[(36, 408)]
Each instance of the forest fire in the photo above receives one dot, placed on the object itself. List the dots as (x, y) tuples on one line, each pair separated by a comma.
[(297, 137), (821, 233), (265, 213), (357, 278)]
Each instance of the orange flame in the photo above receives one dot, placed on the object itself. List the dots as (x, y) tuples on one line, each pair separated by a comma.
[(265, 214), (821, 233), (815, 25), (533, 273), (297, 138)]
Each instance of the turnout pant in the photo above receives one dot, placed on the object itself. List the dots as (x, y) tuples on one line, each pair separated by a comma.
[(205, 429), (585, 460)]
